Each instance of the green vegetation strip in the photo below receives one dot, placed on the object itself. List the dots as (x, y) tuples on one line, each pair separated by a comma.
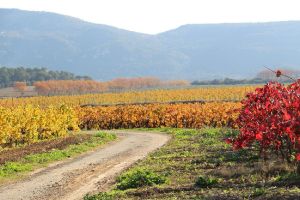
[(198, 164), (11, 170)]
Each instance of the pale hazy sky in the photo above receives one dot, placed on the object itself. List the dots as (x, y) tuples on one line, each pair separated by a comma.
[(154, 16)]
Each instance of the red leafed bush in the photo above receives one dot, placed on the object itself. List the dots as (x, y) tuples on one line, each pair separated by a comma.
[(270, 118)]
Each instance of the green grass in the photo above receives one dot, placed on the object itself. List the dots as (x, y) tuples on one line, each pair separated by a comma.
[(12, 170), (204, 182), (139, 177), (198, 164)]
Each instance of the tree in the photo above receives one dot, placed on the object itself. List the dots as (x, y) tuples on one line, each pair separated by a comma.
[(20, 86)]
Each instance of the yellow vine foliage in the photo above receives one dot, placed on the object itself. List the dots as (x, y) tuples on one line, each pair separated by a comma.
[(28, 124), (27, 120), (159, 115), (232, 93)]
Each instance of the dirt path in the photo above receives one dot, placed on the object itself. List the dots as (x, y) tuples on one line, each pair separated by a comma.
[(90, 172)]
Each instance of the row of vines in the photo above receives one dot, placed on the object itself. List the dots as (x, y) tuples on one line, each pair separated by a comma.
[(29, 124), (159, 115), (233, 93), (27, 120)]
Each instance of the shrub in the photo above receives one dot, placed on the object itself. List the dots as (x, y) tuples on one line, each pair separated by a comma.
[(203, 181), (270, 119), (138, 178)]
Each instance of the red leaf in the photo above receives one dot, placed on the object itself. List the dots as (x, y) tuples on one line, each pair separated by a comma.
[(271, 115), (298, 157), (259, 136), (228, 141), (286, 116)]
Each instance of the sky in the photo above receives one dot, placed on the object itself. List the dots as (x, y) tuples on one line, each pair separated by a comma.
[(155, 16)]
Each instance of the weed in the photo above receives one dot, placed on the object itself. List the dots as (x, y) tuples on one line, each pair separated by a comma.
[(105, 135), (258, 192), (139, 177), (203, 181), (288, 177), (100, 196), (13, 167)]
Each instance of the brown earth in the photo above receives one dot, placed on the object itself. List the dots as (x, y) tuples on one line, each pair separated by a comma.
[(11, 92)]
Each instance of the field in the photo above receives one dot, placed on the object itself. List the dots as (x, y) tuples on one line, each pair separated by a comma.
[(198, 164), (11, 92), (27, 120), (220, 147), (207, 110), (233, 93), (192, 115)]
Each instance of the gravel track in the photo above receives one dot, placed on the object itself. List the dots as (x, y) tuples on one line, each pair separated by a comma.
[(88, 173)]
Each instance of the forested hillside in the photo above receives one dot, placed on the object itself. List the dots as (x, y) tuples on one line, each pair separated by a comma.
[(193, 52)]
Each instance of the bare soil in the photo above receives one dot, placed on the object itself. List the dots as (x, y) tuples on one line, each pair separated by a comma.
[(11, 92), (91, 172)]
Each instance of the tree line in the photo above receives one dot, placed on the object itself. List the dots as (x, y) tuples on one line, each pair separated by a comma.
[(261, 78), (9, 76), (71, 87)]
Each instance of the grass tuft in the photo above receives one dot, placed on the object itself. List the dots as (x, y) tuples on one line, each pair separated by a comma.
[(203, 181), (138, 178)]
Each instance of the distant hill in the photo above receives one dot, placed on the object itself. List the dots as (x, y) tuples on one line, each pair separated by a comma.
[(193, 52)]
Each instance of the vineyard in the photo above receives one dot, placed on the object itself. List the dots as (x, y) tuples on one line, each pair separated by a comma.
[(256, 122), (27, 120), (157, 115), (28, 124), (234, 93), (261, 159), (95, 106)]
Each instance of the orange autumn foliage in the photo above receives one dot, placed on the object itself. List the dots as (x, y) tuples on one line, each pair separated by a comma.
[(158, 115), (71, 87), (59, 87), (20, 86)]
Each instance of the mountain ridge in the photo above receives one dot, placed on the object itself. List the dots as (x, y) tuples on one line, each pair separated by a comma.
[(192, 51)]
